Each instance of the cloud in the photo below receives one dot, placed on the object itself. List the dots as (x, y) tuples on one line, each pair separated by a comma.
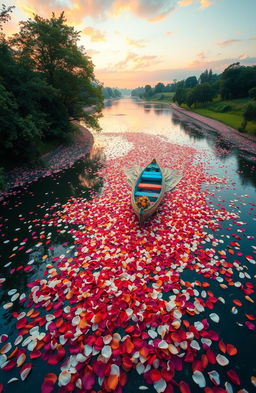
[(203, 3), (77, 10), (252, 38), (243, 56), (228, 42), (184, 3), (169, 33), (93, 34), (219, 65), (131, 79), (201, 55), (152, 10), (134, 61), (135, 43)]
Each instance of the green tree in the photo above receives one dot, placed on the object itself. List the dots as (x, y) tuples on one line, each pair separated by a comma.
[(236, 81), (180, 96), (159, 87), (50, 47), (5, 15), (252, 93), (201, 94), (248, 115), (148, 91), (190, 82)]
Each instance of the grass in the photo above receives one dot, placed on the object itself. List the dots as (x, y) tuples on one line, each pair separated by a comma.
[(163, 97), (229, 112)]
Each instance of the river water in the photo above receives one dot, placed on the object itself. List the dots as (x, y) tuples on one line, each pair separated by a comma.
[(40, 239)]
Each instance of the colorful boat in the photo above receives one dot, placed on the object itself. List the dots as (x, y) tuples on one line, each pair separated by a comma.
[(148, 191), (149, 186)]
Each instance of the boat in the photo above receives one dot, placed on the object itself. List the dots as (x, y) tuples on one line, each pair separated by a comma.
[(148, 191), (149, 185)]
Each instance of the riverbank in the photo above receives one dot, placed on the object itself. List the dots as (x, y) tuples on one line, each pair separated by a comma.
[(246, 142), (61, 158)]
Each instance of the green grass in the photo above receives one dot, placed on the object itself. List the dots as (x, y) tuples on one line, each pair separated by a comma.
[(163, 97), (229, 112)]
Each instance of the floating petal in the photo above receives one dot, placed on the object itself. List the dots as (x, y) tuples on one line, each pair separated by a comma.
[(199, 379)]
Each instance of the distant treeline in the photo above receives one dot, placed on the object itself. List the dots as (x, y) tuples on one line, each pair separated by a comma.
[(109, 92), (46, 81), (235, 82)]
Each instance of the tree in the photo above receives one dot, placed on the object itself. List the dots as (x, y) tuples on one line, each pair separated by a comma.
[(148, 91), (249, 115), (5, 15), (236, 81), (50, 47), (180, 96), (252, 93), (201, 94), (190, 82), (159, 88)]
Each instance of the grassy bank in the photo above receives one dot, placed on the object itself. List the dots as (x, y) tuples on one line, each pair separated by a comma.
[(229, 112), (163, 97)]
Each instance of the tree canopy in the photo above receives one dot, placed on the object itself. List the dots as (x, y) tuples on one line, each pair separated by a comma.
[(46, 81)]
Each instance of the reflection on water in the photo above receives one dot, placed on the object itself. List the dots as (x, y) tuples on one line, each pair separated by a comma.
[(89, 178), (25, 225), (157, 118)]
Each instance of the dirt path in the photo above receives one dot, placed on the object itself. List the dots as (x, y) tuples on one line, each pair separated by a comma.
[(244, 141)]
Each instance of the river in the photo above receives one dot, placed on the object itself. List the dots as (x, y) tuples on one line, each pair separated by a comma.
[(145, 307)]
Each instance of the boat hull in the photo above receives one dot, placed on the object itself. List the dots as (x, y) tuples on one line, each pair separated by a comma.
[(158, 180)]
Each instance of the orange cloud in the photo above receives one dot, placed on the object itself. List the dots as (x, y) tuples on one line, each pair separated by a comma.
[(135, 43), (184, 3), (203, 3), (228, 42), (77, 10), (243, 56), (169, 33), (135, 62), (150, 10), (94, 34)]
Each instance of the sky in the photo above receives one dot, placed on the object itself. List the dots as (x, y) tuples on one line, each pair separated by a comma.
[(137, 42)]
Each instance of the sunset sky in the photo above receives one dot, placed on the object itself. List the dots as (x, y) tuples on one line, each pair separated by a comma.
[(138, 42)]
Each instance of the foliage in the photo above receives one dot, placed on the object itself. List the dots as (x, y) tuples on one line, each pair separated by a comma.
[(159, 88), (108, 92), (249, 115), (148, 91), (46, 81), (190, 82), (180, 96), (200, 94), (5, 15), (138, 92), (232, 117), (236, 81), (252, 93), (50, 47), (208, 77)]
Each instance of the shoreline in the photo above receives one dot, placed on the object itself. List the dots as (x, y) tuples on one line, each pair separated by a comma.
[(231, 135), (61, 158)]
